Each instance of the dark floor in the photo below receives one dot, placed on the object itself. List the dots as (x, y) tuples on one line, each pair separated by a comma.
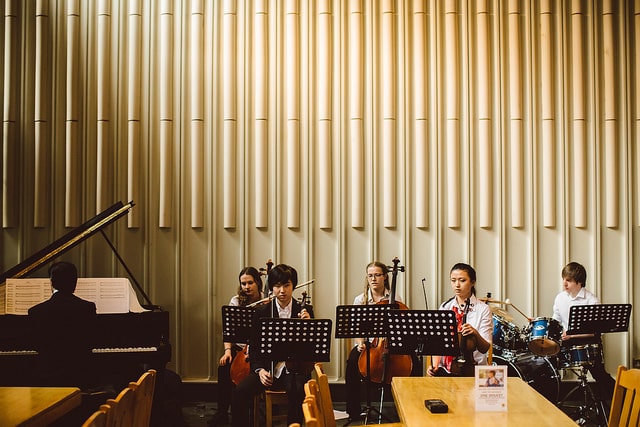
[(198, 413)]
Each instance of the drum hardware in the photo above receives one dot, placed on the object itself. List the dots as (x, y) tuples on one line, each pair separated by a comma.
[(591, 409)]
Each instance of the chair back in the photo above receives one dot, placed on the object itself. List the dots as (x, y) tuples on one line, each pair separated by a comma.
[(625, 405), (120, 410), (97, 419), (325, 402), (143, 391), (311, 413), (311, 389)]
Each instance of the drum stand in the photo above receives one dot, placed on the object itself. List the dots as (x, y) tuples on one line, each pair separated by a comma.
[(593, 319), (591, 410)]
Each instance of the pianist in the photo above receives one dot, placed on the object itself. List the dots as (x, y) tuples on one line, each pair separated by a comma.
[(62, 328)]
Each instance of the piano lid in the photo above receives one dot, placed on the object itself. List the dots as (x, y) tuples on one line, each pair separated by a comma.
[(68, 241)]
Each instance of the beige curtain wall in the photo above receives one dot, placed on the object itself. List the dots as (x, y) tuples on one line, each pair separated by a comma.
[(326, 134)]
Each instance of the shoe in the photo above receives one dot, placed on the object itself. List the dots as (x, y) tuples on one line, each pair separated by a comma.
[(218, 419), (356, 418)]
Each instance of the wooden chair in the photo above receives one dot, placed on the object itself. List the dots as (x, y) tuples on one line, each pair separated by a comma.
[(625, 405), (143, 390), (97, 419), (311, 412), (311, 389), (325, 402), (271, 398), (120, 410)]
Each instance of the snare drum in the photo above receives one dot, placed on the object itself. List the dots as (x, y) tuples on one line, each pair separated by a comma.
[(544, 336), (581, 355)]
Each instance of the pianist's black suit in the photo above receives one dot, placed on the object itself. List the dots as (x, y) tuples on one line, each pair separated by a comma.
[(291, 382), (62, 327)]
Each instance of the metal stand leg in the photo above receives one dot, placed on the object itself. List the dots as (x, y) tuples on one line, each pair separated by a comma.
[(590, 411)]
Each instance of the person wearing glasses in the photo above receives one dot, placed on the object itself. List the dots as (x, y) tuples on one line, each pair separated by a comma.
[(282, 280), (376, 289)]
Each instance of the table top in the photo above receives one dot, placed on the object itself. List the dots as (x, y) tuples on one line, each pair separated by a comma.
[(525, 406), (36, 406)]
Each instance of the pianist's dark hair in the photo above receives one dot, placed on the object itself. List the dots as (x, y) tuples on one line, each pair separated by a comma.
[(282, 273), (253, 272), (64, 276)]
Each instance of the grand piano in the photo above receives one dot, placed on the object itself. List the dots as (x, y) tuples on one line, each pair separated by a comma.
[(125, 344)]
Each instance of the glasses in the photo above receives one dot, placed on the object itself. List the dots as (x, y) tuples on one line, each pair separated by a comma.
[(376, 275)]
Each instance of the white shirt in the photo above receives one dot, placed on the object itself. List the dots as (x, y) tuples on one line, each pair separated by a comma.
[(564, 302), (479, 316), (283, 313), (359, 300)]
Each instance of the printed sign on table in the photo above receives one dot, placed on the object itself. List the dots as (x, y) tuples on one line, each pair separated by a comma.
[(491, 388)]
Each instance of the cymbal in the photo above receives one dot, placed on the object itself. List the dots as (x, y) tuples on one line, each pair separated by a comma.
[(491, 301), (501, 313)]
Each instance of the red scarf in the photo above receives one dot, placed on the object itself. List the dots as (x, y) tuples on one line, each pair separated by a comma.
[(447, 360)]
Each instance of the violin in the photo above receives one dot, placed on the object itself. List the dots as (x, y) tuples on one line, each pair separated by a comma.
[(464, 364), (383, 366)]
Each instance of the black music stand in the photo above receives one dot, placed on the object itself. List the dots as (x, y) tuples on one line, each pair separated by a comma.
[(423, 332), (300, 340), (236, 323), (593, 319), (364, 321), (599, 318)]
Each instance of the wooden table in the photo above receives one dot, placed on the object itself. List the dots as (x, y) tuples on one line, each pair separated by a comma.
[(525, 406), (36, 406)]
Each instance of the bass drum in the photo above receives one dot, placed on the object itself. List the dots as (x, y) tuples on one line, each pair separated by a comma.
[(537, 371)]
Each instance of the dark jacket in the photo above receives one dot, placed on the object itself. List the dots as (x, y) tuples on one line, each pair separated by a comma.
[(63, 329)]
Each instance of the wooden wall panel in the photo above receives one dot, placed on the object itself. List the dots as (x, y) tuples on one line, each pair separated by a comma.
[(326, 134)]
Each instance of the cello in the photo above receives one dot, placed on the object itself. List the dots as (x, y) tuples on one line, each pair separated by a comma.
[(240, 366), (383, 366)]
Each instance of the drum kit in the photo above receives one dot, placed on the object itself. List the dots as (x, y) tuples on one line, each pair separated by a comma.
[(534, 352)]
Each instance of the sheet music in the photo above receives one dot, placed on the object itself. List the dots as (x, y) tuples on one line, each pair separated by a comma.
[(111, 295)]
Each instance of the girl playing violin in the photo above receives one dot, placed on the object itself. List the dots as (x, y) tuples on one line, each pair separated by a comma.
[(249, 291), (477, 328)]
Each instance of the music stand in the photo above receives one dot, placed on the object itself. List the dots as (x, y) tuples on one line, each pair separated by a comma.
[(423, 332), (364, 321), (301, 340), (599, 318), (236, 323), (594, 319)]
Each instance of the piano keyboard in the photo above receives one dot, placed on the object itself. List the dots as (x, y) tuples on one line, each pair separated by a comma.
[(94, 350), (124, 350), (18, 353)]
